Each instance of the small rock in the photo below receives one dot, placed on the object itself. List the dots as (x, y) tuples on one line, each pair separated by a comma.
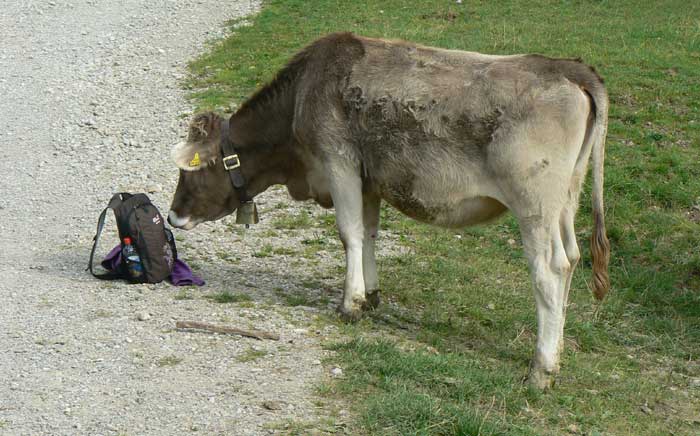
[(143, 316), (491, 306), (154, 189), (336, 372), (272, 405), (573, 429), (511, 241), (646, 409)]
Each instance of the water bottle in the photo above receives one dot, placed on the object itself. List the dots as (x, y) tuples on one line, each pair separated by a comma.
[(132, 259)]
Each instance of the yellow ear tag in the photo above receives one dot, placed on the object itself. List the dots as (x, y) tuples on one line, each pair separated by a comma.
[(195, 162)]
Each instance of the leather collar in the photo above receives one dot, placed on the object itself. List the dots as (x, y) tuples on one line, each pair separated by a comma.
[(232, 162)]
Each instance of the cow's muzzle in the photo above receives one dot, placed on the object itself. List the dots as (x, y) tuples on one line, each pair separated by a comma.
[(185, 223)]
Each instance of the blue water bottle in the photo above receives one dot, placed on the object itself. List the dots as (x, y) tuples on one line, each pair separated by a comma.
[(132, 259)]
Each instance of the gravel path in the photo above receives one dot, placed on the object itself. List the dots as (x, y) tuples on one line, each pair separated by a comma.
[(89, 105)]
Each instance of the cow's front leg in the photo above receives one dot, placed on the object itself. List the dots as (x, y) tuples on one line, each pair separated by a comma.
[(370, 217), (346, 190)]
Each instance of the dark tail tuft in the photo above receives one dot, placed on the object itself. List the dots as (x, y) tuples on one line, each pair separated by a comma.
[(600, 252)]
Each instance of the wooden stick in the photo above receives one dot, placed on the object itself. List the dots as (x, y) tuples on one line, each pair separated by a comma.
[(257, 334)]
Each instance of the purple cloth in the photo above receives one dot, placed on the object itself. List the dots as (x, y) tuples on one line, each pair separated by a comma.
[(180, 276)]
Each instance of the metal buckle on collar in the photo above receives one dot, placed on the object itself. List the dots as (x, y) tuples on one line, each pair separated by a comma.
[(236, 162)]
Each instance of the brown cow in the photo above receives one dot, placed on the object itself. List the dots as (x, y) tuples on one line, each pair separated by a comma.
[(448, 137)]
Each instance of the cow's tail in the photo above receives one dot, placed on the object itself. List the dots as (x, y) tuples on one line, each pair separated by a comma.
[(600, 247)]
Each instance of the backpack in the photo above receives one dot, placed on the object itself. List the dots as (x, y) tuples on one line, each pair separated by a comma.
[(138, 219)]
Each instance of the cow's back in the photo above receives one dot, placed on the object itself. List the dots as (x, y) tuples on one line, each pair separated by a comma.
[(451, 94)]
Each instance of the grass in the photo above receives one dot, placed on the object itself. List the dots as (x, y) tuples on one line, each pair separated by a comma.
[(268, 250), (227, 256), (448, 355), (294, 299), (265, 251), (169, 361), (300, 220), (229, 297), (183, 294), (251, 355)]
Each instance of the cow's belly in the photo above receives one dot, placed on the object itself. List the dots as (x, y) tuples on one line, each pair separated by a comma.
[(446, 212)]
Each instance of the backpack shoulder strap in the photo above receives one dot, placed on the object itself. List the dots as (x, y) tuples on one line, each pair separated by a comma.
[(113, 203)]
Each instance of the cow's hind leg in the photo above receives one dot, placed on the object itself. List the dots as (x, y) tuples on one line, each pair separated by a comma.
[(573, 254), (346, 191), (370, 212), (550, 269)]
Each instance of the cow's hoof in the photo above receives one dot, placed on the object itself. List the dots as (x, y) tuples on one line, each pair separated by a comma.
[(372, 301), (540, 379), (351, 316)]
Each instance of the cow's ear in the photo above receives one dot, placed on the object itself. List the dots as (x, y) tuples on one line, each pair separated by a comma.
[(202, 145), (188, 156)]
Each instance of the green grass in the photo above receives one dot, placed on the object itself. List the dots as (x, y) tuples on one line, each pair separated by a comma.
[(169, 361), (284, 251), (265, 251), (456, 340), (300, 220), (229, 297), (251, 355), (183, 294), (292, 298)]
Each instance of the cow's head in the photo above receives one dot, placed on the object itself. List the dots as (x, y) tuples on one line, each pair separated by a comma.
[(204, 191)]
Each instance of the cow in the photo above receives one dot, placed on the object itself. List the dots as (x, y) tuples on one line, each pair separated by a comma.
[(450, 138)]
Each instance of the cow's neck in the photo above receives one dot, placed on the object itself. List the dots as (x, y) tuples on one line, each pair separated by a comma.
[(262, 132)]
